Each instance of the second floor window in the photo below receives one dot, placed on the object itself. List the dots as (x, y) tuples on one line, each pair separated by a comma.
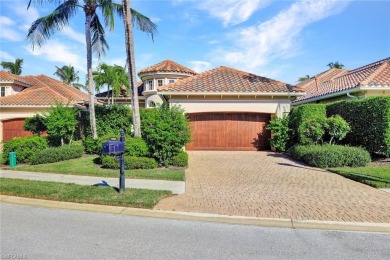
[(171, 80), (2, 92), (150, 83), (160, 82)]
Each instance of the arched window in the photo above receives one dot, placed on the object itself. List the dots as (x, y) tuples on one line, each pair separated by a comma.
[(152, 104)]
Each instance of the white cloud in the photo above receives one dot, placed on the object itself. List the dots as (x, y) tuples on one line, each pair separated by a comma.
[(277, 38), (200, 66), (56, 51), (28, 16), (232, 12), (5, 56), (7, 28), (72, 34)]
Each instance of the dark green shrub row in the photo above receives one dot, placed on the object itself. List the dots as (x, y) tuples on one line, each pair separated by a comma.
[(24, 147), (369, 120), (57, 154), (179, 160), (131, 162), (328, 156), (299, 115)]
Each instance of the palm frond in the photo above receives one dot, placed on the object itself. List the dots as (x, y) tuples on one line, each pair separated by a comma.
[(40, 2), (99, 43), (144, 24), (108, 13), (44, 27)]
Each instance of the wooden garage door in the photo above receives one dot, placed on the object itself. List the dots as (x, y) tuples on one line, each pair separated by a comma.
[(229, 131), (14, 128)]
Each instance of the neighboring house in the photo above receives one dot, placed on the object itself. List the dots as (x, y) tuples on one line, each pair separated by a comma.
[(26, 96), (229, 109), (340, 84), (123, 98)]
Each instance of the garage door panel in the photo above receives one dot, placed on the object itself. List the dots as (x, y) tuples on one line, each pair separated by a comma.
[(229, 131)]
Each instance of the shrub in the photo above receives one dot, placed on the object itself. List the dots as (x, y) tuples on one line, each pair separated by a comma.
[(61, 122), (337, 128), (369, 120), (312, 130), (328, 156), (24, 147), (57, 154), (94, 146), (280, 133), (35, 125), (179, 160), (298, 115), (165, 130), (136, 147), (131, 162)]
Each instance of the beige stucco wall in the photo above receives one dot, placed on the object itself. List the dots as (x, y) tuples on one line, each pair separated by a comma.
[(11, 89)]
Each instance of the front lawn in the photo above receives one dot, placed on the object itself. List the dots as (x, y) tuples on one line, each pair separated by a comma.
[(86, 166), (375, 176), (137, 198)]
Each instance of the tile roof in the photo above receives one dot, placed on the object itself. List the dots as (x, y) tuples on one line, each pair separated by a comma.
[(167, 66), (376, 74), (44, 91), (9, 77), (224, 79)]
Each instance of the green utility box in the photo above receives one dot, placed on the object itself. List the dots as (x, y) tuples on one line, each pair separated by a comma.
[(12, 159)]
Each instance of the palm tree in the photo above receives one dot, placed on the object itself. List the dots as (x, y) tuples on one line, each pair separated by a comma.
[(113, 77), (68, 75), (13, 67), (335, 65), (302, 79), (43, 28), (129, 19)]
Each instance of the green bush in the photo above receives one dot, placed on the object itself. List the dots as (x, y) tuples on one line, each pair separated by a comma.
[(337, 128), (328, 156), (179, 160), (35, 124), (165, 130), (298, 115), (57, 154), (24, 147), (131, 162), (369, 120), (94, 146), (312, 130), (280, 133), (136, 147)]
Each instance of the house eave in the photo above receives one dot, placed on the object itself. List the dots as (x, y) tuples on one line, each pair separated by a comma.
[(192, 93)]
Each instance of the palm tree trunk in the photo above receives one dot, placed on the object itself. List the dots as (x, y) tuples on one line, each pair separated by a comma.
[(131, 68), (91, 90)]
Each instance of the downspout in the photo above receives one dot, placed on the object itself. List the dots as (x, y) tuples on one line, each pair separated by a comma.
[(350, 96)]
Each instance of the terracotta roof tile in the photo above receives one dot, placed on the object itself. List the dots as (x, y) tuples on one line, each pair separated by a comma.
[(376, 74), (6, 76), (224, 79), (44, 91), (167, 66)]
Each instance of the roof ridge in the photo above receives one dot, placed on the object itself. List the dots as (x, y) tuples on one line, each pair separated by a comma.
[(370, 65)]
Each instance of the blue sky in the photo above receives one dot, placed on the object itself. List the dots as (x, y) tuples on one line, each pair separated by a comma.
[(283, 40)]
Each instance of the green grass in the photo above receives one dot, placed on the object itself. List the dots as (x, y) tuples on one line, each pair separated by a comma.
[(86, 166), (375, 176), (138, 198)]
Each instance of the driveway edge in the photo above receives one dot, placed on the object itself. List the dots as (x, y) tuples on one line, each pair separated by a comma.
[(191, 216)]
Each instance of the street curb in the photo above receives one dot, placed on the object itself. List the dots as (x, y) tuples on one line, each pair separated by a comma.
[(191, 216)]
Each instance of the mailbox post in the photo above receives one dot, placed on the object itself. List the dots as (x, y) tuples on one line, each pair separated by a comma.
[(118, 148)]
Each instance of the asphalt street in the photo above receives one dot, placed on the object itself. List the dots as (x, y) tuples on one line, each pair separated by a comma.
[(40, 233)]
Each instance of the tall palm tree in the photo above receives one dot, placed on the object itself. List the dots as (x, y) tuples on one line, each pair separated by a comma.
[(113, 77), (335, 65), (13, 67), (68, 75), (43, 28), (129, 17), (302, 79)]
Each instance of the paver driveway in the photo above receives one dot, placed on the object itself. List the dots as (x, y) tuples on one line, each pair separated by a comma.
[(269, 185)]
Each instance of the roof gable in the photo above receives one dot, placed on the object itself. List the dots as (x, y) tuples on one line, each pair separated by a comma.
[(167, 66)]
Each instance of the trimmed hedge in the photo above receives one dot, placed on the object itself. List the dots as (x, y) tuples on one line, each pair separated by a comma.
[(298, 116), (179, 160), (131, 162), (57, 154), (94, 146), (369, 120), (328, 156), (25, 147), (136, 147)]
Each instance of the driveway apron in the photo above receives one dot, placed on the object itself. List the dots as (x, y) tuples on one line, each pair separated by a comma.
[(270, 185)]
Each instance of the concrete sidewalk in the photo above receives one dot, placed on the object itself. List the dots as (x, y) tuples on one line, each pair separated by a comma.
[(177, 187)]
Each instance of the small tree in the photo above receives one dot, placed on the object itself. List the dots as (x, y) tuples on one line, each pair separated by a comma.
[(166, 131), (312, 130), (61, 122), (337, 128), (280, 133), (35, 125)]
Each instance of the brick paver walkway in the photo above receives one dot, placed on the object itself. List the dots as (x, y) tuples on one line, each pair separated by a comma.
[(269, 185)]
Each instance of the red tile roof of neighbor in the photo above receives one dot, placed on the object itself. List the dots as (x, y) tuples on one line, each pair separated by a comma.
[(44, 91), (167, 66), (376, 74), (224, 79)]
